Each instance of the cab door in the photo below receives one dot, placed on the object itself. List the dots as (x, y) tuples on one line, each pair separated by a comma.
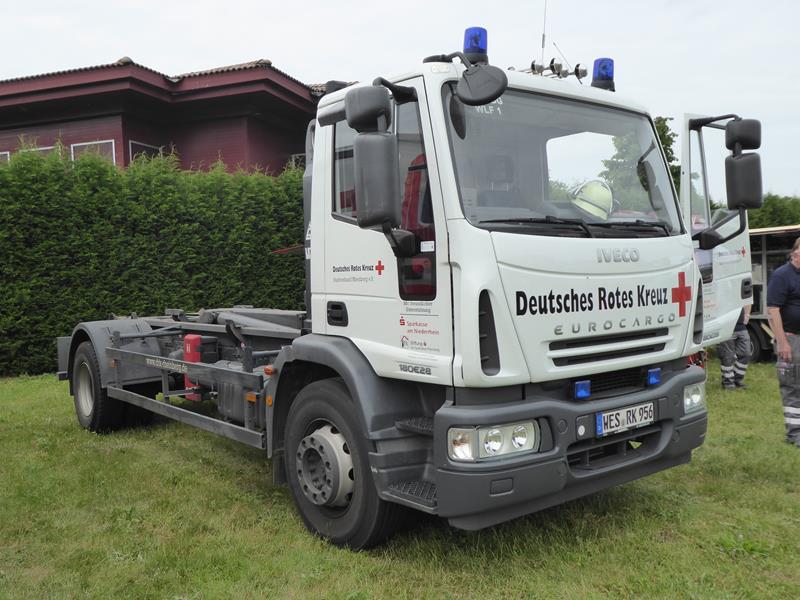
[(725, 269), (397, 311)]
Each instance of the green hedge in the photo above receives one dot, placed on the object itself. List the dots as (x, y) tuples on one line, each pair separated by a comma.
[(80, 240)]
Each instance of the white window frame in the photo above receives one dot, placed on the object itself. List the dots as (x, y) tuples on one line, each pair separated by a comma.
[(113, 148), (132, 142), (8, 155), (37, 149)]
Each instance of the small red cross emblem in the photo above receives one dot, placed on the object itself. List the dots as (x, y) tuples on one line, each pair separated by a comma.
[(682, 294), (379, 268)]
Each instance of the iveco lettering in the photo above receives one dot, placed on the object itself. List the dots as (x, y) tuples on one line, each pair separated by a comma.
[(502, 305)]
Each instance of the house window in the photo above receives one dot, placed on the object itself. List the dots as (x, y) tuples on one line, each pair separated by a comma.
[(138, 149), (104, 148), (5, 157)]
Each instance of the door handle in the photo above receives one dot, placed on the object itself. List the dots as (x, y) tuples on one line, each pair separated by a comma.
[(337, 314)]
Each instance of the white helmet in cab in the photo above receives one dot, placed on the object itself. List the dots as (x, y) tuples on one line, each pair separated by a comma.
[(594, 197)]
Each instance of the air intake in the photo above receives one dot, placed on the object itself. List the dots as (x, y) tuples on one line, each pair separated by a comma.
[(487, 336), (697, 332)]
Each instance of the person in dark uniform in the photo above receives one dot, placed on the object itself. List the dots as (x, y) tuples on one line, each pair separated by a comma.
[(734, 354), (783, 307)]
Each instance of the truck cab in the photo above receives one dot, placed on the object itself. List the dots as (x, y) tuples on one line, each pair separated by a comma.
[(557, 322)]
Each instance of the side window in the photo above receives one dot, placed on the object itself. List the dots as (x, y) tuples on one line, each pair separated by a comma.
[(344, 187), (697, 185), (417, 274)]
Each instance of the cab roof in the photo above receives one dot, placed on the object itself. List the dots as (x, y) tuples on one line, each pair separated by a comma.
[(566, 88)]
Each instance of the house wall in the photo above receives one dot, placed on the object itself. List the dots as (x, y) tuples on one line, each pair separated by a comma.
[(269, 147), (69, 132), (199, 145)]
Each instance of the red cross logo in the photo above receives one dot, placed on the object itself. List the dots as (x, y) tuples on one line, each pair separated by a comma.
[(379, 268), (682, 294)]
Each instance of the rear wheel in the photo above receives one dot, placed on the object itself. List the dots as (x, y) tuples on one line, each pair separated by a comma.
[(94, 409), (756, 351), (327, 466)]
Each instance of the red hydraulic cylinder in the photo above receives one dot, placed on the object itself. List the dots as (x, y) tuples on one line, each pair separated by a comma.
[(192, 345)]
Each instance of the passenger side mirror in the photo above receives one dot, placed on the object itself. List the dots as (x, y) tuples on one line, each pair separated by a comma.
[(743, 181), (743, 171), (744, 132)]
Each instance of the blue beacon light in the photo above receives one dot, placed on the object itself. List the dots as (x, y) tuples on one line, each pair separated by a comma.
[(475, 44), (603, 74)]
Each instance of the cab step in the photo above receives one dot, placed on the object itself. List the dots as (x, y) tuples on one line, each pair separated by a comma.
[(418, 425), (418, 492)]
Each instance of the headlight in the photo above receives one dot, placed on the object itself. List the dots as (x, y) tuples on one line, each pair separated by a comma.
[(694, 397), (493, 441), (466, 444), (519, 437)]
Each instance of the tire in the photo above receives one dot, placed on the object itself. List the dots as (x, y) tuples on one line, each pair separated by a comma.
[(94, 409), (756, 352), (325, 412)]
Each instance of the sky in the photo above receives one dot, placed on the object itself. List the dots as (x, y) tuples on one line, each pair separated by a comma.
[(672, 56)]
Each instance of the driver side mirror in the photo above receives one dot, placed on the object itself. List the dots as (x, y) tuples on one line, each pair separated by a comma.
[(376, 163), (375, 157)]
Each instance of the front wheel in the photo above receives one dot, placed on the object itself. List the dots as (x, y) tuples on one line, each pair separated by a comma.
[(327, 466)]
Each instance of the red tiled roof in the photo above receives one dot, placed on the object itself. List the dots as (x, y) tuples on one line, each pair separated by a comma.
[(316, 89)]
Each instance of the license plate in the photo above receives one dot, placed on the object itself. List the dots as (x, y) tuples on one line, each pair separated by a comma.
[(630, 417)]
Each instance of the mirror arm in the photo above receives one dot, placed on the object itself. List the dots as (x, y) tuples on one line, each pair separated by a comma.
[(742, 227), (696, 124), (401, 93), (403, 243)]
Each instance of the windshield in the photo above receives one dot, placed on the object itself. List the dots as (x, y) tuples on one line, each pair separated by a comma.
[(535, 164)]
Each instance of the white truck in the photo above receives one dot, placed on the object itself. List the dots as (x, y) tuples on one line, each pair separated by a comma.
[(502, 305)]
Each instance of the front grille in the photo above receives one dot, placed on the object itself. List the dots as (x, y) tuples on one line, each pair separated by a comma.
[(579, 360), (603, 340), (617, 382), (608, 339), (601, 453)]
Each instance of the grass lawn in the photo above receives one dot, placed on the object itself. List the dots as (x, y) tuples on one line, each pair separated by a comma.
[(171, 512)]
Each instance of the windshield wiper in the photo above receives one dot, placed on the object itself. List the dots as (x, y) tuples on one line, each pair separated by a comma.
[(548, 220), (639, 223)]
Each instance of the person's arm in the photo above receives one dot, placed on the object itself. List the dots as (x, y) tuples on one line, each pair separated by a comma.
[(776, 323), (747, 308)]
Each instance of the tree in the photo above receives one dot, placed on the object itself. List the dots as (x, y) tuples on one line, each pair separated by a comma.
[(667, 138)]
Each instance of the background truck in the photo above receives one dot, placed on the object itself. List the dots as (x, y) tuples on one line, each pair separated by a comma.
[(501, 297), (770, 248)]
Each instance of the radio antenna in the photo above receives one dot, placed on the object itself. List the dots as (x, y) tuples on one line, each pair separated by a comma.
[(544, 29)]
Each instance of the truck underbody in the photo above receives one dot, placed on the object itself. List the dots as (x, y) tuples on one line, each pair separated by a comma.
[(254, 363)]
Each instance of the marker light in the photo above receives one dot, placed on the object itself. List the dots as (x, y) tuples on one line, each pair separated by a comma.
[(475, 44), (583, 389), (603, 74), (654, 376)]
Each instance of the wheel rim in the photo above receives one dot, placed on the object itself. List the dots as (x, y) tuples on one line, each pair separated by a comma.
[(84, 391), (325, 467)]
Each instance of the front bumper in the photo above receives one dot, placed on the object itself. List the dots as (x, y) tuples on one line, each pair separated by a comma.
[(477, 495)]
